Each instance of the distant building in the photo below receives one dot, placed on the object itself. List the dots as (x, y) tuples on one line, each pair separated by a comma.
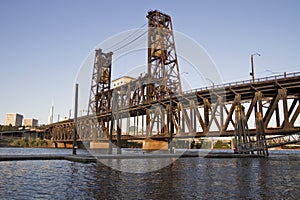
[(50, 118), (30, 122), (14, 119), (121, 81)]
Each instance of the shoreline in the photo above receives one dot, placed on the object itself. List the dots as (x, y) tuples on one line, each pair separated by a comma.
[(38, 143), (95, 159)]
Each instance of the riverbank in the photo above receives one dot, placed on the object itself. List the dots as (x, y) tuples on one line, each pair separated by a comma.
[(39, 143), (6, 142), (25, 142)]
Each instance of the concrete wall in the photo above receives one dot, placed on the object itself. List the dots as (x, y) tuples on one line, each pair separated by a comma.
[(151, 145), (99, 145)]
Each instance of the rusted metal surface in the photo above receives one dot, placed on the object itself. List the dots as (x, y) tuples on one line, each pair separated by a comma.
[(99, 100), (196, 112), (163, 70), (154, 106)]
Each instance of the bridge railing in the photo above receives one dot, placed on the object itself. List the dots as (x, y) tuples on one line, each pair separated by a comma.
[(236, 83), (283, 140), (270, 142)]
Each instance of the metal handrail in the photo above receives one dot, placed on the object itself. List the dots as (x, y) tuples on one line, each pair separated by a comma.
[(270, 142), (275, 77)]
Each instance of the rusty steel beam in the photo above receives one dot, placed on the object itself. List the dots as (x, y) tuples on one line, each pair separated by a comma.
[(154, 105), (204, 111), (100, 86), (163, 70)]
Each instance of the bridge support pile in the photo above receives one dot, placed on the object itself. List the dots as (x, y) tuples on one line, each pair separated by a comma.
[(242, 139)]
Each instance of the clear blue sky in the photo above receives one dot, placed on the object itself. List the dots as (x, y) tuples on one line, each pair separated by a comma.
[(43, 43)]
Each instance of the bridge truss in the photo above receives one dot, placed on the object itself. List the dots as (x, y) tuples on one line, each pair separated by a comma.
[(155, 106)]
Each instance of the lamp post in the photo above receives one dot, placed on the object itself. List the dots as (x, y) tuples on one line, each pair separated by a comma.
[(213, 84), (252, 65)]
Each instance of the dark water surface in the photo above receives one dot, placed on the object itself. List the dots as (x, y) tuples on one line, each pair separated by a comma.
[(275, 177)]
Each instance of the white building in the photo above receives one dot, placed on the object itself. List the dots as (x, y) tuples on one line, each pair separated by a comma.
[(30, 122), (121, 81), (14, 119)]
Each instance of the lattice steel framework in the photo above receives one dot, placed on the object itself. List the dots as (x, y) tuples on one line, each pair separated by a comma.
[(100, 95), (261, 145), (156, 103), (163, 71)]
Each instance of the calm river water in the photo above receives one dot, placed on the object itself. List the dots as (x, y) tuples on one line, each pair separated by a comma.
[(275, 177)]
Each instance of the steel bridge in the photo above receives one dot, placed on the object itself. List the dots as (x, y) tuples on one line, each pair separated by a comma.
[(154, 105), (270, 95)]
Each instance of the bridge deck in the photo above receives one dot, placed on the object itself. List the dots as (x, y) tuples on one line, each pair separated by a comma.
[(267, 93)]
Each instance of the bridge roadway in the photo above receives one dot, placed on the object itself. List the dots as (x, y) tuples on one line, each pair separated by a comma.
[(208, 111), (22, 133)]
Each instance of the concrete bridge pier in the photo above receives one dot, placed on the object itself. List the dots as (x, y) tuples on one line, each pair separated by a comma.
[(62, 145), (99, 145), (154, 145)]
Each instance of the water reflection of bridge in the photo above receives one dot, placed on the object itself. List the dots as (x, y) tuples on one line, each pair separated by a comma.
[(154, 106)]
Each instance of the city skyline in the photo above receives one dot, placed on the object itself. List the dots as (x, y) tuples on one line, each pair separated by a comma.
[(17, 119), (45, 43)]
